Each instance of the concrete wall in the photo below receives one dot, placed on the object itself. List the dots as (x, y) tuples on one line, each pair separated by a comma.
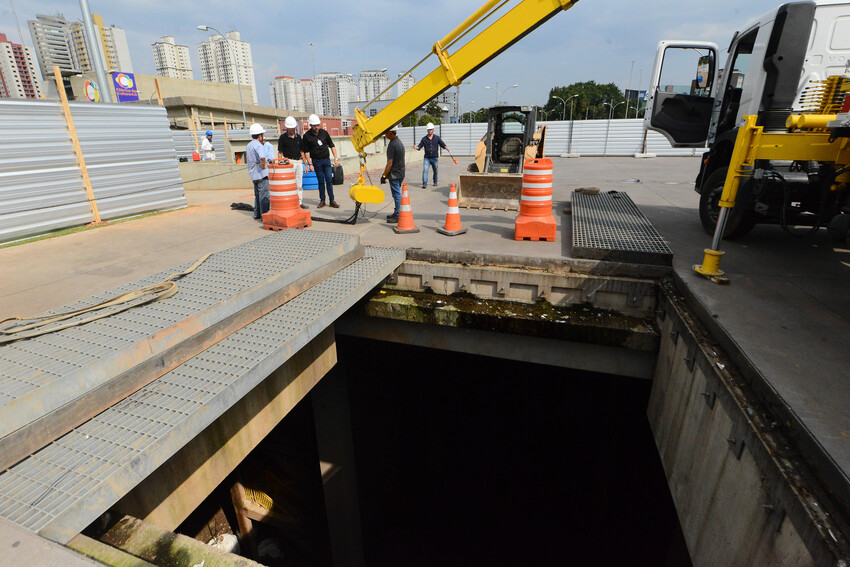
[(740, 493), (207, 175)]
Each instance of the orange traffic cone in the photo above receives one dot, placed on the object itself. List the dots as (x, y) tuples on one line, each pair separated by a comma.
[(453, 227), (405, 214), (284, 210)]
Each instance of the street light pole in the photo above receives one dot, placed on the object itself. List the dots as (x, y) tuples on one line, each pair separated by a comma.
[(629, 90), (564, 113), (608, 129), (500, 95), (471, 105), (570, 142), (236, 65), (96, 55)]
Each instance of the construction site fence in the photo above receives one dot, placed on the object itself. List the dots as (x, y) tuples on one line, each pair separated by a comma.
[(128, 151), (618, 137)]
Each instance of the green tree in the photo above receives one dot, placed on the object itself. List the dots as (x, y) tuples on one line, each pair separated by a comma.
[(426, 118), (433, 108), (479, 115), (590, 102)]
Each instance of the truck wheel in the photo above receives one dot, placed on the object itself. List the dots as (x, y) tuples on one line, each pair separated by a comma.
[(738, 223), (839, 228)]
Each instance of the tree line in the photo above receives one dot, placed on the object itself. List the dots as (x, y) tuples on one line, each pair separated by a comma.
[(584, 101)]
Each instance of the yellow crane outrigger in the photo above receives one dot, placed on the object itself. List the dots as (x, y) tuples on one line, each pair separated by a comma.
[(464, 60), (810, 137)]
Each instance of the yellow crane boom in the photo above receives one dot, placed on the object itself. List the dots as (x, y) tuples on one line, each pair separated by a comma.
[(465, 60)]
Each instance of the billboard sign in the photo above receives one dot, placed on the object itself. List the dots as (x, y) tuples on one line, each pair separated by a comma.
[(125, 87), (92, 94)]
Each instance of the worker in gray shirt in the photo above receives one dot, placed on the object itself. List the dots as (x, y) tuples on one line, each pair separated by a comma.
[(394, 172), (256, 157)]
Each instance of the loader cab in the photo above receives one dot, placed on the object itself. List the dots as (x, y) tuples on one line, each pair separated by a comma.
[(509, 132)]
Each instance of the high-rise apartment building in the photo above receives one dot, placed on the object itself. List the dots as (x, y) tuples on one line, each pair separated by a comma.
[(291, 94), (308, 91), (404, 84), (284, 93), (228, 61), (171, 60), (448, 99), (333, 93), (113, 40), (18, 78), (112, 44), (63, 43), (370, 84), (51, 40)]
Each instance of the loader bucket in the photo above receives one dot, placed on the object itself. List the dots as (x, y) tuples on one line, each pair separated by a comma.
[(489, 190)]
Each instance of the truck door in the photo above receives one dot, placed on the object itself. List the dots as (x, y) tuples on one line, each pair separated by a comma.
[(681, 93)]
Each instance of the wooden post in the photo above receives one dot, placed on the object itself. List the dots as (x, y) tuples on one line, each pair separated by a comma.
[(246, 528), (212, 121), (194, 129), (76, 142), (158, 92), (226, 137)]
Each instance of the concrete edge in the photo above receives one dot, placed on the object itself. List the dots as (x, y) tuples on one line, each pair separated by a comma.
[(564, 265)]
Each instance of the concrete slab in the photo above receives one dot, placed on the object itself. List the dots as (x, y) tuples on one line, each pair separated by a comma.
[(787, 307)]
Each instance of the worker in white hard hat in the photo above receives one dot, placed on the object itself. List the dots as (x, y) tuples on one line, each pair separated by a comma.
[(289, 148), (257, 160), (317, 145), (394, 171), (432, 144)]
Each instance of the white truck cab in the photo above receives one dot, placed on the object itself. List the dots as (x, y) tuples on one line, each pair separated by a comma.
[(695, 102)]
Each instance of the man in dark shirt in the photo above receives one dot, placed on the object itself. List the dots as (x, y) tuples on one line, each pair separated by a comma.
[(289, 147), (394, 171), (315, 144), (432, 144)]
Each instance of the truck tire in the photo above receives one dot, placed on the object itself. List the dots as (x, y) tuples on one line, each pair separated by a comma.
[(738, 223), (839, 228)]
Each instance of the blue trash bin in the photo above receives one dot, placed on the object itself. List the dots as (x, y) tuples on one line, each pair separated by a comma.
[(309, 181)]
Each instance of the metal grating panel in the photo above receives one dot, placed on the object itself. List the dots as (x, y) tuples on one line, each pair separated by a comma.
[(609, 226), (32, 364), (65, 486)]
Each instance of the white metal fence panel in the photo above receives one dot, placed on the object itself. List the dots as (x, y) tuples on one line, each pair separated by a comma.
[(129, 154), (590, 138)]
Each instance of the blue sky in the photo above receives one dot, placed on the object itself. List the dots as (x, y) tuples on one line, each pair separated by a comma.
[(595, 40)]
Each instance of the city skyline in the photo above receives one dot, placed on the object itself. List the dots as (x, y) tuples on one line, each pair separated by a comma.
[(585, 43)]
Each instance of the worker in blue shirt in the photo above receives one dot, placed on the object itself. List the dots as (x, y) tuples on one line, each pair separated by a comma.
[(432, 144), (256, 158)]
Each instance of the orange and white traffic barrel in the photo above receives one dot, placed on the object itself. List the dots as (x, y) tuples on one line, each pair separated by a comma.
[(284, 209), (535, 220)]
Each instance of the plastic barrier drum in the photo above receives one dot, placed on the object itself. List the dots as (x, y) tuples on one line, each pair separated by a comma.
[(284, 209), (535, 220)]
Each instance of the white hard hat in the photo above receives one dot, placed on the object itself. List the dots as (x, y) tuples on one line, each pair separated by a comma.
[(257, 129), (430, 126), (290, 122), (394, 128), (313, 120)]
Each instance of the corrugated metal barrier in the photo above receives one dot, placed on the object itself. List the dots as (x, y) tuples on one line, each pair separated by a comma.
[(129, 153), (590, 138)]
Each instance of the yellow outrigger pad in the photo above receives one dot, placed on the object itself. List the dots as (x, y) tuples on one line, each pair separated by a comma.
[(362, 193)]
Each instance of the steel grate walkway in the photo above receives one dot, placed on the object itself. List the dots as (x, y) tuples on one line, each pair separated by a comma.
[(62, 488), (609, 226)]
